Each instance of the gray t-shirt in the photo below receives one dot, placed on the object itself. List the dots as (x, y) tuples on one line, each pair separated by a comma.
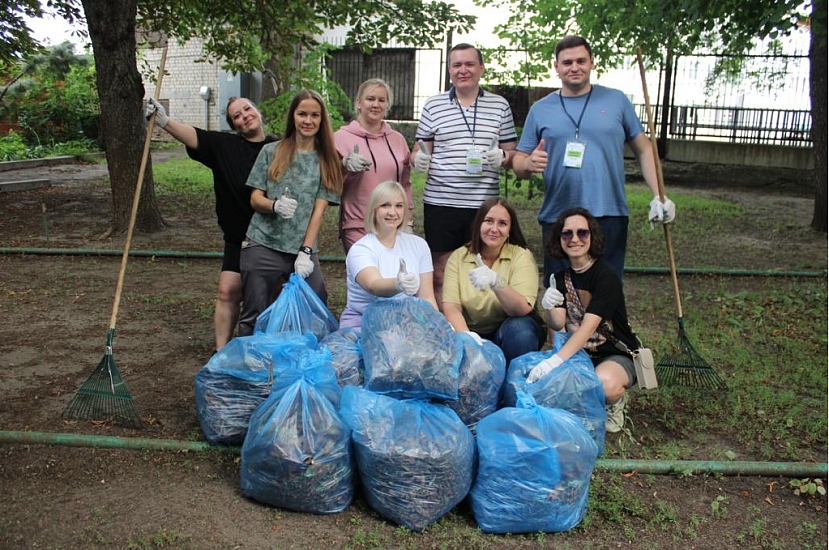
[(304, 184)]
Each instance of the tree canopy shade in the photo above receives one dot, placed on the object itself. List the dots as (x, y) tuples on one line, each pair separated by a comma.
[(15, 36), (243, 35), (666, 28)]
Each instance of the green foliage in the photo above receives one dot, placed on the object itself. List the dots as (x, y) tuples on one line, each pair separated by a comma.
[(15, 36), (310, 75), (58, 100), (262, 34), (719, 507), (807, 487), (616, 27), (13, 147)]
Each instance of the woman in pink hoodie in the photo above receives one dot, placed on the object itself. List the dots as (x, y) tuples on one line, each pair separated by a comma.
[(371, 153)]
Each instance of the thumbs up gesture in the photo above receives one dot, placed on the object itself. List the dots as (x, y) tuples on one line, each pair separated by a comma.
[(355, 162), (552, 297), (285, 206), (407, 283), (482, 277), (495, 155), (422, 157), (537, 162)]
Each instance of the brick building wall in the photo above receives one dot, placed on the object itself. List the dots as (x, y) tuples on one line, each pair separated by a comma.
[(184, 77)]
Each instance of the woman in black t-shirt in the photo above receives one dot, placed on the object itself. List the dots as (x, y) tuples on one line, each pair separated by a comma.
[(587, 301)]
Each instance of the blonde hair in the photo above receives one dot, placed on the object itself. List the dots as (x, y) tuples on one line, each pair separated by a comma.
[(330, 170), (383, 192), (368, 85)]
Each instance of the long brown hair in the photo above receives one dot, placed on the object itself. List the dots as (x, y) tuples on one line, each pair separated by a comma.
[(330, 171), (516, 237)]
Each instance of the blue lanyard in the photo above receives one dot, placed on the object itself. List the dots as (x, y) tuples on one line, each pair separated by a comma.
[(584, 108), (474, 118)]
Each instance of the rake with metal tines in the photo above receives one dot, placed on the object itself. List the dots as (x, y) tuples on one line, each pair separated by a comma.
[(686, 367), (104, 395)]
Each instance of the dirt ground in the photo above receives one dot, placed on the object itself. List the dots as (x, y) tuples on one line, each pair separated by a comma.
[(55, 311)]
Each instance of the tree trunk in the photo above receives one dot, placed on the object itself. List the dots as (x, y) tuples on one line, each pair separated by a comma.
[(817, 91), (111, 27)]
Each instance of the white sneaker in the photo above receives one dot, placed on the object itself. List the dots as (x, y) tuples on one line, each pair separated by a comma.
[(616, 416)]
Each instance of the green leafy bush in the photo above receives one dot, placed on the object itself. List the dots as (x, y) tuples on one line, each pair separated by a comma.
[(12, 147), (310, 75)]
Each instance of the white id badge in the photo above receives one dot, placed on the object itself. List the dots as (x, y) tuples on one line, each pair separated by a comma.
[(474, 161), (574, 154)]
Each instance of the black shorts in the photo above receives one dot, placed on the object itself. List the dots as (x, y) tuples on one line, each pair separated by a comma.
[(230, 260), (447, 228)]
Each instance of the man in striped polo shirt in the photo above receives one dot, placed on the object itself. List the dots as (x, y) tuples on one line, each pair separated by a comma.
[(464, 137)]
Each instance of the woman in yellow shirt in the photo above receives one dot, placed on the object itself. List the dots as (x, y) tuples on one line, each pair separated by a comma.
[(491, 284)]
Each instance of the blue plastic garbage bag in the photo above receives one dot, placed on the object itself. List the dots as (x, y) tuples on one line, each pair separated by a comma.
[(534, 468), (573, 387), (297, 309), (236, 380), (410, 349), (346, 356), (415, 458), (482, 373), (297, 454)]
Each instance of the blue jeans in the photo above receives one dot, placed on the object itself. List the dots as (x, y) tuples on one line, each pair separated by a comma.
[(517, 336), (615, 231)]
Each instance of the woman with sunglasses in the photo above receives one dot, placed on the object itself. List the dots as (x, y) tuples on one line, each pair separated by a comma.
[(586, 299), (491, 283)]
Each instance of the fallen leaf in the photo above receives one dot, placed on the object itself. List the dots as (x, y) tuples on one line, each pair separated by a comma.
[(744, 493), (768, 499), (629, 474), (771, 486)]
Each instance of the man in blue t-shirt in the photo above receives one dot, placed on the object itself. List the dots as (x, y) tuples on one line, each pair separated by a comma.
[(576, 139)]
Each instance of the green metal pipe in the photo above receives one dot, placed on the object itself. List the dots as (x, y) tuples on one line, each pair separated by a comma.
[(341, 259), (726, 468)]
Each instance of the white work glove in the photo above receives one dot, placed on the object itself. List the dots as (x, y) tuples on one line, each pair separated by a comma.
[(407, 283), (303, 266), (475, 336), (552, 297), (154, 107), (355, 162), (495, 156), (284, 206), (483, 277), (422, 157), (543, 368), (664, 212)]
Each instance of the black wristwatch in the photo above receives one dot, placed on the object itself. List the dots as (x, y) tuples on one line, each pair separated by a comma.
[(306, 249)]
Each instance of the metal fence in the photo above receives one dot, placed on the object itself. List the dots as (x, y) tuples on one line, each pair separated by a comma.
[(742, 110), (737, 124), (413, 74)]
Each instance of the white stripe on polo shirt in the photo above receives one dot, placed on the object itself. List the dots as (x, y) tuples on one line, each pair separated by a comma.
[(441, 122)]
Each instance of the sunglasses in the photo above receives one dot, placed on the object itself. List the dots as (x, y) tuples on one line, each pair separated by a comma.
[(567, 234)]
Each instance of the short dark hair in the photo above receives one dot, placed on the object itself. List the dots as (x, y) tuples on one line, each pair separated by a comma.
[(516, 237), (572, 41), (465, 46), (597, 242)]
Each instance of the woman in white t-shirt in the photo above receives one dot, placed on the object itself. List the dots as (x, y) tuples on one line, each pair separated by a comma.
[(387, 260)]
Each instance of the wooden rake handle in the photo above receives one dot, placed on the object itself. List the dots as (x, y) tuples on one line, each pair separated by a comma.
[(137, 197), (660, 182)]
